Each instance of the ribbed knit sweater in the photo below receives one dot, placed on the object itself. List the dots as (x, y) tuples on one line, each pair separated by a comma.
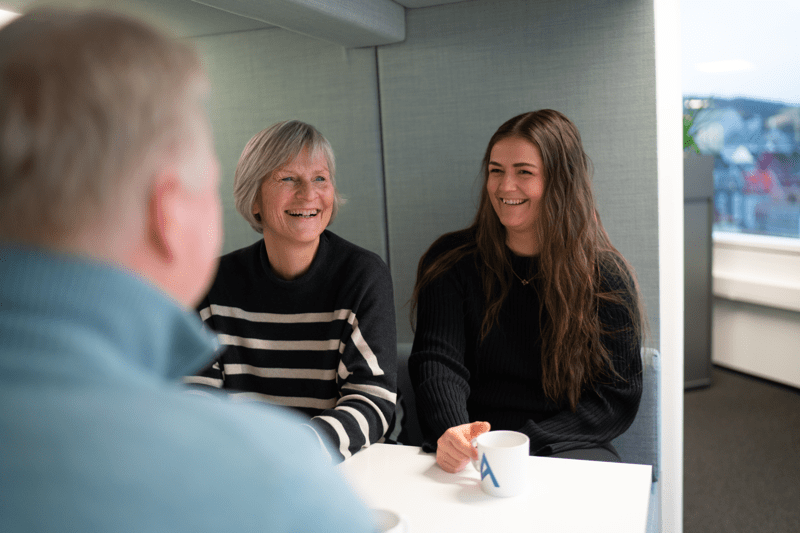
[(324, 343), (460, 379)]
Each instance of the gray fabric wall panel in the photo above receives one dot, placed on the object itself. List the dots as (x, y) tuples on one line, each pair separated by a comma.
[(261, 77), (465, 68)]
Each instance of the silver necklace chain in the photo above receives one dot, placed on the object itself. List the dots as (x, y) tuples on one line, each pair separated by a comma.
[(524, 281)]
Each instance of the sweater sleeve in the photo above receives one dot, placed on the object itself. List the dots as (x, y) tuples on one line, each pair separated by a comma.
[(607, 408), (211, 375), (367, 373), (436, 365)]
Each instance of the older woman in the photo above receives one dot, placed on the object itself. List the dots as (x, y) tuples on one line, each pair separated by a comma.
[(529, 319), (306, 318)]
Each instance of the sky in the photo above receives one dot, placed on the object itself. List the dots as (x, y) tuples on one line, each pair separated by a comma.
[(745, 48)]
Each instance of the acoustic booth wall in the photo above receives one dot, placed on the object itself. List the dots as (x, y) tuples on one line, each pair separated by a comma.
[(409, 122)]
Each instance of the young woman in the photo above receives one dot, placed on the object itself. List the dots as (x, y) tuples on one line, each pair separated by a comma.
[(529, 319)]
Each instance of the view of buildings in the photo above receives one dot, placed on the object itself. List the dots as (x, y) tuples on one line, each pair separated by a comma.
[(756, 148)]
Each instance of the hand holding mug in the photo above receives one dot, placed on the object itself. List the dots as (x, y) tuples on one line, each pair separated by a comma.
[(455, 449)]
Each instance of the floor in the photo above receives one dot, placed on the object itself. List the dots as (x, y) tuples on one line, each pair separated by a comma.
[(741, 456)]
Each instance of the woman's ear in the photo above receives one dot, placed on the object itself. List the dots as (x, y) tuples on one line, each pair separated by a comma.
[(256, 210)]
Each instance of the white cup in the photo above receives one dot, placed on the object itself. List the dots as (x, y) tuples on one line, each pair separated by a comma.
[(389, 522), (502, 462)]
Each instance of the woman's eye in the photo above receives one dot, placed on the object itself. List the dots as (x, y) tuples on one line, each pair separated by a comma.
[(287, 178), (320, 178), (494, 170)]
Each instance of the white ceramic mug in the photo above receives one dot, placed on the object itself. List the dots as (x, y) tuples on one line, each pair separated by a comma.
[(502, 462)]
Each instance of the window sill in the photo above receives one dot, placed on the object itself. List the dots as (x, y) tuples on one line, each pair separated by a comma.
[(748, 241), (757, 269)]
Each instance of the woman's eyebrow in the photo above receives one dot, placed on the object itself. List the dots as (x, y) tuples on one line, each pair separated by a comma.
[(515, 164), (321, 170)]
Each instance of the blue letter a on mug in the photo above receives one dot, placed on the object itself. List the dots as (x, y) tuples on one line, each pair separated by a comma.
[(486, 470)]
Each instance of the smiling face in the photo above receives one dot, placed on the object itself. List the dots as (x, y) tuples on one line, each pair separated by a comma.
[(515, 185), (296, 201)]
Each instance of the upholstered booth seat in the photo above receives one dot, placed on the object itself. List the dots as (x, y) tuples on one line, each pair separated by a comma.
[(407, 411)]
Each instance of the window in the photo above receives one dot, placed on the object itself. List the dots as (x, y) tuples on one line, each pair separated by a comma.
[(742, 105)]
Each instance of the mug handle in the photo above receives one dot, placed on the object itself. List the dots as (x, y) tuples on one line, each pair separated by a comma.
[(476, 462)]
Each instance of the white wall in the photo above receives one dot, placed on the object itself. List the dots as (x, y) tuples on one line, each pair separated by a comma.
[(670, 238)]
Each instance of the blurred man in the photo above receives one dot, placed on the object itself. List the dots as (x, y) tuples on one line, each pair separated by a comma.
[(109, 234)]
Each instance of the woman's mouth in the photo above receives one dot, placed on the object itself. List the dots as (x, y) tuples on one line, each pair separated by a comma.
[(302, 213)]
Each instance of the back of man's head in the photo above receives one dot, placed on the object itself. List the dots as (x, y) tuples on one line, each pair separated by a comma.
[(93, 107), (90, 102)]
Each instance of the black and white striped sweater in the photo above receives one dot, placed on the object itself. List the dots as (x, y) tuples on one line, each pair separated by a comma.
[(324, 343)]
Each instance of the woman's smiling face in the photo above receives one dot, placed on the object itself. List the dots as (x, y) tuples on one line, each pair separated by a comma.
[(296, 201), (515, 185)]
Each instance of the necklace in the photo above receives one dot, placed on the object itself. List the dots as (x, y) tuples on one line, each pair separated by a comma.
[(524, 281)]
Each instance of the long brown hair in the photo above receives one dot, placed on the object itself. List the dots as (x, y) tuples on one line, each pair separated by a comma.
[(576, 256)]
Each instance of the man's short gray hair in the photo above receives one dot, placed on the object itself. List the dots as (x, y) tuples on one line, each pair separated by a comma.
[(90, 103), (271, 149)]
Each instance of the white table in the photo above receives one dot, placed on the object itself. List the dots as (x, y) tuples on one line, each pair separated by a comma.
[(564, 495)]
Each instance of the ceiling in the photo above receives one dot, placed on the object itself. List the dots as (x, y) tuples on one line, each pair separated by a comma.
[(350, 23), (425, 3)]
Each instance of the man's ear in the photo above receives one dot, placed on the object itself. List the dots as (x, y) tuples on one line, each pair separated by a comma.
[(162, 216)]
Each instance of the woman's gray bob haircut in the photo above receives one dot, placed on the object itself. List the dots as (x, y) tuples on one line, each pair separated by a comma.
[(268, 151)]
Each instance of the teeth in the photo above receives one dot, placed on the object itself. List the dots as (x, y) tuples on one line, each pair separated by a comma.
[(512, 202), (304, 213)]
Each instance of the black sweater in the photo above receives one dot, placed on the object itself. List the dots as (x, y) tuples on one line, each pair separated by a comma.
[(459, 379)]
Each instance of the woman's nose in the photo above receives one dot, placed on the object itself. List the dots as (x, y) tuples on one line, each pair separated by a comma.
[(507, 183), (304, 189)]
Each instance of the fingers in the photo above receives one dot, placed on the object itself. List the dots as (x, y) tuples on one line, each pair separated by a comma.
[(456, 442), (475, 429), (453, 452), (478, 428), (454, 447), (459, 437), (449, 462)]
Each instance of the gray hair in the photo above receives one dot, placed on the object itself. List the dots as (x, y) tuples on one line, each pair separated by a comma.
[(268, 151), (91, 103)]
